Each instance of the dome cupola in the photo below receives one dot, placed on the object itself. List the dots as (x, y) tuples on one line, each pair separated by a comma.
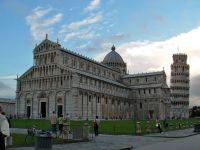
[(114, 60), (113, 57)]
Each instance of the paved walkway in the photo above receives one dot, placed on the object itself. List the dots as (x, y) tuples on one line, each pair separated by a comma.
[(116, 142), (174, 134), (188, 143)]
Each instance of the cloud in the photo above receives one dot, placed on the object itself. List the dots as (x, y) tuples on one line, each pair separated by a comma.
[(84, 29), (194, 101), (146, 56), (119, 37), (83, 23), (93, 5), (3, 86), (41, 22), (104, 44), (8, 77), (87, 21), (194, 89), (6, 91), (82, 34)]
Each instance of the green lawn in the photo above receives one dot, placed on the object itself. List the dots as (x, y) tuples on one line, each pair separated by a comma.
[(19, 140), (29, 123), (106, 126)]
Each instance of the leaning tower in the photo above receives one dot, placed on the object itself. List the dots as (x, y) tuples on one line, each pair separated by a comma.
[(179, 86)]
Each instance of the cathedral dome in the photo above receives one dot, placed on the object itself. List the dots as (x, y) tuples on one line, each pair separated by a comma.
[(113, 57)]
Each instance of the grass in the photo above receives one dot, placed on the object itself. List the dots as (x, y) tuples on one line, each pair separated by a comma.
[(19, 140), (107, 126), (29, 123)]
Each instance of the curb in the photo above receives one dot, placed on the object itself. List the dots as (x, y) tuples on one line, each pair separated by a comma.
[(184, 136), (127, 148)]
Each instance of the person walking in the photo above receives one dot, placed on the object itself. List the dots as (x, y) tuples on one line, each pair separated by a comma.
[(4, 130), (53, 120), (60, 124), (96, 123)]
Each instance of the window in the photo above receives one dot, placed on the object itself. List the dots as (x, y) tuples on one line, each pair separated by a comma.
[(90, 98), (140, 105), (81, 79), (61, 82), (81, 65), (112, 102)]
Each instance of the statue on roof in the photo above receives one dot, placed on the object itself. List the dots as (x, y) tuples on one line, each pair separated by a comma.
[(113, 48)]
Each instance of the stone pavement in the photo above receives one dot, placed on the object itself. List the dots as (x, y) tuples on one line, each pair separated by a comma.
[(174, 134), (188, 143), (116, 142)]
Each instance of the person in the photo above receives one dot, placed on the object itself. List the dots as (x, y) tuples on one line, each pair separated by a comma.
[(96, 123), (67, 118), (60, 124), (158, 125), (4, 130), (165, 124), (53, 120), (8, 119)]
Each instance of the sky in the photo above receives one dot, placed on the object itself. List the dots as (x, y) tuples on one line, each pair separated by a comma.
[(146, 34)]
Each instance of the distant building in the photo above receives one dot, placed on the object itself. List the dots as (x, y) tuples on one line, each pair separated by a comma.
[(180, 86), (8, 106), (66, 82)]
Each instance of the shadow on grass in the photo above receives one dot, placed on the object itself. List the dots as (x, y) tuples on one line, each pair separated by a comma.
[(19, 141)]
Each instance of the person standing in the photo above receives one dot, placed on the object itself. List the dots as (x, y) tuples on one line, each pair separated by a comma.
[(67, 118), (4, 130), (53, 120), (96, 126), (158, 125), (60, 124)]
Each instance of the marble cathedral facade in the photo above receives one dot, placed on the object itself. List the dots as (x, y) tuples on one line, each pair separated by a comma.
[(66, 82)]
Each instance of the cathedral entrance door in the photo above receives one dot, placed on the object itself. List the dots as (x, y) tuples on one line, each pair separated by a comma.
[(151, 114), (60, 110), (28, 111), (43, 109)]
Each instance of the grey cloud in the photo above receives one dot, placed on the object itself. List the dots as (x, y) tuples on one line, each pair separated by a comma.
[(3, 86), (6, 91), (195, 86)]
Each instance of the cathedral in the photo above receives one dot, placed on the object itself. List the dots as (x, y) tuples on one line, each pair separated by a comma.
[(66, 82)]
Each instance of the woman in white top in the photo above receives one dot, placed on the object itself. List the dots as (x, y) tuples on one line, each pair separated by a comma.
[(4, 130)]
